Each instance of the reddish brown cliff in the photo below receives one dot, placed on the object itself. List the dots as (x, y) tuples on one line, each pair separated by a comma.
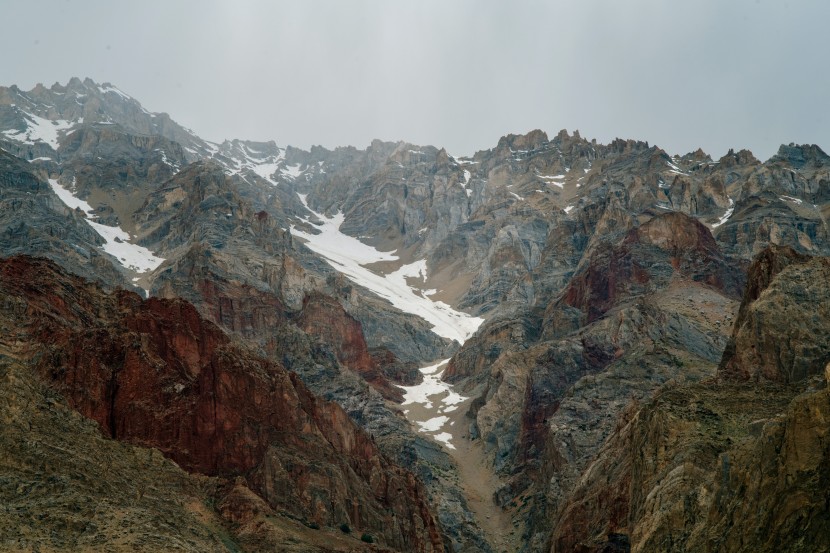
[(324, 318), (154, 373), (669, 245)]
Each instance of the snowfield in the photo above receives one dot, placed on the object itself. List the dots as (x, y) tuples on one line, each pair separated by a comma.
[(39, 129), (349, 255), (131, 256)]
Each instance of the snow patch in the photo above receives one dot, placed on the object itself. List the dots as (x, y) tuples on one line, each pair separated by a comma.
[(348, 255), (434, 424), (675, 169), (445, 438), (167, 161), (105, 89), (553, 179), (462, 161), (726, 215), (435, 396), (39, 129), (132, 256), (292, 171)]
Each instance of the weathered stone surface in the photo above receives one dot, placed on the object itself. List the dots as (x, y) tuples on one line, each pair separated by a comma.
[(592, 263), (324, 318), (784, 287), (724, 464), (154, 373)]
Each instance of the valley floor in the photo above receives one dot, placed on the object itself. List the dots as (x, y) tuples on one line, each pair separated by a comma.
[(435, 409)]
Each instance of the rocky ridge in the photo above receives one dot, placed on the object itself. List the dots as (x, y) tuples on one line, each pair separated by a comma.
[(605, 272), (154, 373), (726, 464)]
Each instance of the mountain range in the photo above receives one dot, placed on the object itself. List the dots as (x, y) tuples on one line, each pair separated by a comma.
[(550, 345)]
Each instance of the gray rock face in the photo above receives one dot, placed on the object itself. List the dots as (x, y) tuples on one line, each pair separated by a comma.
[(715, 463), (604, 271), (35, 221)]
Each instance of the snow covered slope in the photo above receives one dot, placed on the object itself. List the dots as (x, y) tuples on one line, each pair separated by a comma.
[(131, 256), (349, 255)]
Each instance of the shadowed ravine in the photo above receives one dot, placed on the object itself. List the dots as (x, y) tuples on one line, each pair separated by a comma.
[(436, 410)]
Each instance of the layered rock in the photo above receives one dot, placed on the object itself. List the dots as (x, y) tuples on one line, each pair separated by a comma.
[(154, 373), (641, 310), (726, 464), (783, 287), (593, 293), (324, 317), (35, 221)]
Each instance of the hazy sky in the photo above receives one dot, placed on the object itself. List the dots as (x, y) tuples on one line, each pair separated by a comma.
[(460, 74)]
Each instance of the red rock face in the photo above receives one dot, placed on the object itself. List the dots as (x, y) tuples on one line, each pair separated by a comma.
[(154, 373), (239, 308), (255, 314), (631, 267), (326, 320)]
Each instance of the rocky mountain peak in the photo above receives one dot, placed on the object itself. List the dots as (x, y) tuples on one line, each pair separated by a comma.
[(43, 116), (623, 146), (801, 155), (530, 141), (742, 158), (698, 156)]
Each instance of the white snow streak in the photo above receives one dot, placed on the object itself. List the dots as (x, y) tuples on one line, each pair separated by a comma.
[(675, 169), (554, 179), (105, 89), (348, 255), (726, 215), (132, 256), (69, 199)]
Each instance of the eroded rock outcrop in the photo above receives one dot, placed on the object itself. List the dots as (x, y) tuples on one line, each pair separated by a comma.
[(781, 333), (735, 463), (154, 373)]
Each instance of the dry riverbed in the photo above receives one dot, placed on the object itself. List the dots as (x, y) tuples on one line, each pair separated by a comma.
[(435, 409)]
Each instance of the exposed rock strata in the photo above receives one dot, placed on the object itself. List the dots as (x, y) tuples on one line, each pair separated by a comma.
[(727, 464), (154, 373)]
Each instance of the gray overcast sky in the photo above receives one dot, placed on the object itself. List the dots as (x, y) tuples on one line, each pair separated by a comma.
[(460, 74)]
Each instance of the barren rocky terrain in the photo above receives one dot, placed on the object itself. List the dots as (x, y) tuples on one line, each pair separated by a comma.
[(233, 346)]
